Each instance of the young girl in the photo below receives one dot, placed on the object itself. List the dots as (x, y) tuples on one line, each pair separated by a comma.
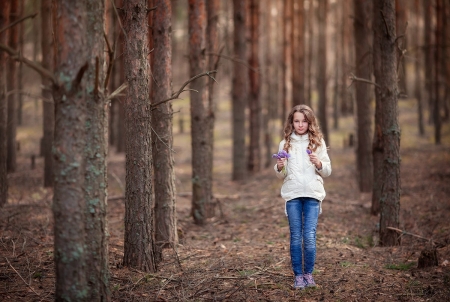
[(302, 170)]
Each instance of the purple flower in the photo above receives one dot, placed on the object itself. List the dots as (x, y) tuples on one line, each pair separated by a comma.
[(308, 151), (281, 154)]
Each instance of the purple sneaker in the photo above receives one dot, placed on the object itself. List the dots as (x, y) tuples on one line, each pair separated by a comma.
[(309, 280), (299, 282)]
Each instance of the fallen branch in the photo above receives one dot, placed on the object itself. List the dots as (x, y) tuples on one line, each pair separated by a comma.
[(177, 94), (438, 244), (21, 277)]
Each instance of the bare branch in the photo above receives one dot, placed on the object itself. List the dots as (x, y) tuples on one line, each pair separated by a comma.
[(33, 65), (177, 94), (76, 82), (417, 236), (17, 22), (243, 62), (117, 92), (356, 79), (157, 135), (7, 260), (118, 19), (150, 9), (110, 63)]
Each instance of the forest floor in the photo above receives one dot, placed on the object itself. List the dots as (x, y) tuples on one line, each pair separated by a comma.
[(243, 253)]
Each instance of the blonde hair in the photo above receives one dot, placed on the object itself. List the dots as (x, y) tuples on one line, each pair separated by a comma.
[(314, 133)]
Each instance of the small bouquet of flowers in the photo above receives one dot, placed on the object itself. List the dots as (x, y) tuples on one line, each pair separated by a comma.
[(282, 154)]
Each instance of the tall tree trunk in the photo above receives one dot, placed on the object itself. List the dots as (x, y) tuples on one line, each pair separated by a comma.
[(362, 30), (287, 60), (438, 60), (267, 77), (417, 68), (12, 90), (239, 90), (337, 69), (428, 52), (322, 68), (21, 28), (97, 270), (310, 55), (48, 110), (201, 145), (298, 53), (385, 70), (69, 207), (162, 124), (254, 148), (139, 249), (346, 107), (401, 23), (4, 20), (212, 46)]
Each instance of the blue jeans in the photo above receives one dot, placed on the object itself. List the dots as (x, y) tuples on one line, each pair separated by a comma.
[(303, 213)]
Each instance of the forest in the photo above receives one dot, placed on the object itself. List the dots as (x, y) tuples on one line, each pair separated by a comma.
[(136, 143)]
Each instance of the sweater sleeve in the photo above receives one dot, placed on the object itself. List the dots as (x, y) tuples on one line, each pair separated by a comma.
[(325, 159), (280, 174)]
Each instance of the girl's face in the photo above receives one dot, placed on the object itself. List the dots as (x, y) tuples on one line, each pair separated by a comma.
[(300, 124)]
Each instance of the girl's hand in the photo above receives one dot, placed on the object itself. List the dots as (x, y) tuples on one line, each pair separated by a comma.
[(316, 162), (280, 163)]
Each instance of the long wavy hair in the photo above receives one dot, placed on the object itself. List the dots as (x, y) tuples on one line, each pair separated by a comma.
[(314, 133)]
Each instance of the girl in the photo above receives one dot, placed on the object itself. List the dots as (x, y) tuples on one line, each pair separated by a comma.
[(302, 188)]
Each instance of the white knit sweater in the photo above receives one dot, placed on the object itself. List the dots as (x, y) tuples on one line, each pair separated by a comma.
[(301, 178)]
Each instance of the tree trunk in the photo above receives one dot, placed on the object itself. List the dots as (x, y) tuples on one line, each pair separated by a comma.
[(337, 69), (69, 207), (97, 270), (48, 108), (362, 10), (418, 69), (385, 70), (438, 60), (212, 46), (162, 124), (4, 21), (322, 68), (200, 120), (239, 90), (12, 90), (139, 249), (254, 148), (298, 53), (401, 23), (310, 56), (268, 78), (287, 60), (21, 29), (346, 107), (428, 52)]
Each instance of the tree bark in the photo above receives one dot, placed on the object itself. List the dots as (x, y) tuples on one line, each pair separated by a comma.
[(254, 148), (162, 124), (310, 55), (212, 46), (4, 20), (69, 208), (363, 70), (438, 60), (298, 53), (12, 85), (21, 29), (428, 52), (200, 120), (48, 108), (96, 127), (286, 60), (139, 249), (385, 70), (418, 69), (239, 90), (401, 23), (322, 69)]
